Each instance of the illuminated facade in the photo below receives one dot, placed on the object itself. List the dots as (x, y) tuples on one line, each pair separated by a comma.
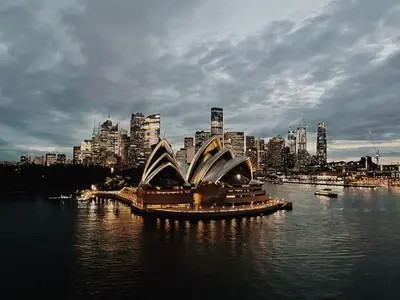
[(211, 163), (152, 132), (215, 175), (235, 142), (321, 145), (217, 122)]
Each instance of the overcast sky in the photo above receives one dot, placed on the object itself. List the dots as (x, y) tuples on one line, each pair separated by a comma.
[(268, 63)]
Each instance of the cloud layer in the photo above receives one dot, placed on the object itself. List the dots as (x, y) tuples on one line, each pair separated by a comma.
[(64, 63)]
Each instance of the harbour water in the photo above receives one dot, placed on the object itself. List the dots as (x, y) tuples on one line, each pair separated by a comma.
[(343, 248)]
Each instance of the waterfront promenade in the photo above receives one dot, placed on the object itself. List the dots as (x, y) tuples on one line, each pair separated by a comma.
[(128, 196)]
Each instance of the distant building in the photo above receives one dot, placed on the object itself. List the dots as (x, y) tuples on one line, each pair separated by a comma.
[(181, 155), (108, 143), (152, 132), (61, 159), (250, 141), (200, 138), (123, 146), (217, 122), (302, 153), (291, 142), (321, 145), (275, 153), (235, 142), (262, 153), (188, 143), (136, 151), (86, 152), (51, 159), (25, 160), (39, 160), (252, 153), (77, 155)]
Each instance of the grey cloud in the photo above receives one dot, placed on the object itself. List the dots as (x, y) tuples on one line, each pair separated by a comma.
[(99, 57)]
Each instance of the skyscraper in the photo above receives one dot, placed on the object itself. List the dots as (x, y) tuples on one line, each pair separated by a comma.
[(274, 153), (291, 142), (200, 138), (302, 153), (137, 133), (321, 145), (152, 132), (108, 143), (235, 142), (217, 122)]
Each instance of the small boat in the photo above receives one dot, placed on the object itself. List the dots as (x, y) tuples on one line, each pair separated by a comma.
[(62, 197), (326, 193)]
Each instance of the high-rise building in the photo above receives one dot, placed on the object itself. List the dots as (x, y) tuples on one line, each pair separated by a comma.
[(86, 152), (152, 132), (39, 160), (302, 153), (291, 142), (321, 145), (108, 143), (188, 143), (123, 146), (137, 135), (51, 159), (235, 142), (25, 160), (77, 155), (217, 122), (61, 159), (262, 153), (252, 151), (250, 141), (200, 138), (95, 145), (274, 153)]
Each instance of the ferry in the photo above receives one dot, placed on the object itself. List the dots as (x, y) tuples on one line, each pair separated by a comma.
[(326, 193), (62, 197)]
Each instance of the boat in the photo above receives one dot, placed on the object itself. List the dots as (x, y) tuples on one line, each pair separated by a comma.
[(62, 197), (326, 193)]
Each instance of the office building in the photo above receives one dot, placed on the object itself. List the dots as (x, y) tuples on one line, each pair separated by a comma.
[(152, 132), (275, 153), (200, 138), (61, 159), (321, 153), (51, 159), (235, 142), (217, 122), (137, 136)]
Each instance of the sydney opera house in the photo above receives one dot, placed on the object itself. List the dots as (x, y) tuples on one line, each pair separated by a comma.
[(215, 177)]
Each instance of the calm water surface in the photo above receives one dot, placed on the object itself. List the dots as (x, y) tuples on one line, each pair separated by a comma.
[(345, 248)]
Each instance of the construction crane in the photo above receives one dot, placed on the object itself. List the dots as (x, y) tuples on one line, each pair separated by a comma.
[(377, 154)]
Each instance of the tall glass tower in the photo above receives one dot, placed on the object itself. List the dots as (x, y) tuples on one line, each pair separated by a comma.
[(321, 145)]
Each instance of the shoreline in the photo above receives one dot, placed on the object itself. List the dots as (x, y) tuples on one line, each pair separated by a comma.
[(327, 184)]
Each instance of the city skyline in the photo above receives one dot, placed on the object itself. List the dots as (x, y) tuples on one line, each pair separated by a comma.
[(180, 63)]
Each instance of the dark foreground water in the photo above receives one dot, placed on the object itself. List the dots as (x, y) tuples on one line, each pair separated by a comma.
[(345, 248)]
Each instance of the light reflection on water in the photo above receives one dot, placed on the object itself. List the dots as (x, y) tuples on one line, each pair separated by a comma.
[(343, 248)]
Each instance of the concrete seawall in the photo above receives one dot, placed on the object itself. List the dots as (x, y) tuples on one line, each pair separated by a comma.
[(203, 214)]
